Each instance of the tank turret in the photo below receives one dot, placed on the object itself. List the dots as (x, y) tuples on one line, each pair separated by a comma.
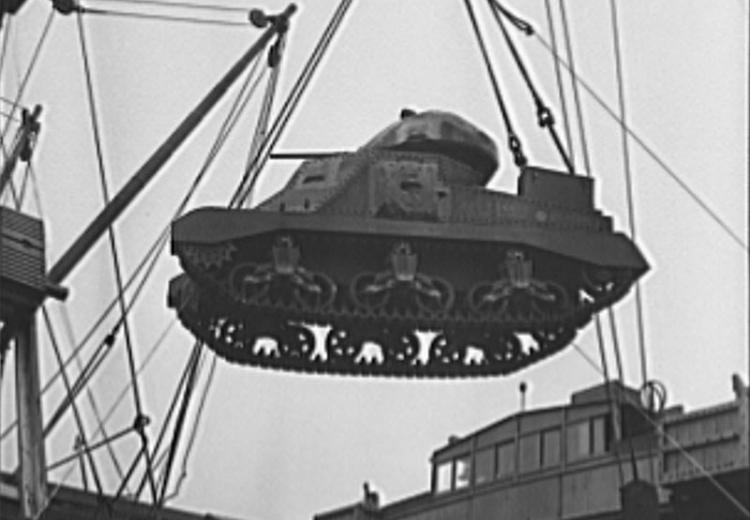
[(396, 260)]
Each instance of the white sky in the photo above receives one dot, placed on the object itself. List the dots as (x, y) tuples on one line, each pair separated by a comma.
[(276, 446)]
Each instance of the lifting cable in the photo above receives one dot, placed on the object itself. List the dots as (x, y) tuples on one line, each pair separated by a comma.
[(27, 74), (292, 100), (514, 143), (160, 17), (22, 189), (545, 119), (76, 413), (574, 84), (228, 124), (649, 151), (149, 263), (11, 115), (182, 5), (261, 128), (106, 441), (35, 190), (111, 234), (180, 420), (618, 359), (560, 85), (628, 183), (674, 442), (121, 396), (187, 378), (613, 411), (170, 411), (68, 326), (194, 430)]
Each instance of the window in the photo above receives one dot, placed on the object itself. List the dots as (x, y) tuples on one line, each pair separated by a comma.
[(578, 440), (506, 459), (599, 439), (484, 466), (463, 472), (550, 448), (444, 477), (529, 453), (587, 438)]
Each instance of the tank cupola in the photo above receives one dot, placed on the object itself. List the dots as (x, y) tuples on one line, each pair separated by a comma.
[(443, 133)]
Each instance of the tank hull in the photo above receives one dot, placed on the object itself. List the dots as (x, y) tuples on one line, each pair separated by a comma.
[(347, 304)]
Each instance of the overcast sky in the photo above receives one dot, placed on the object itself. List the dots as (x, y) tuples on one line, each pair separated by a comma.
[(275, 446)]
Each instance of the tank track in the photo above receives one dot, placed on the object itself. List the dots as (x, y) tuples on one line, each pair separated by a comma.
[(280, 315)]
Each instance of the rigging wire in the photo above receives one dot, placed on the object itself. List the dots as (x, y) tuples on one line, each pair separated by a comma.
[(171, 409), (613, 412), (180, 421), (651, 152), (146, 360), (261, 127), (194, 431), (76, 413), (293, 98), (111, 336), (628, 183), (35, 191), (111, 234), (29, 70), (6, 100), (560, 85), (120, 397), (161, 17), (68, 326), (545, 118), (7, 115), (245, 94), (182, 5), (148, 262), (3, 54), (574, 84), (674, 442), (106, 442), (152, 255), (514, 143), (11, 115), (24, 184)]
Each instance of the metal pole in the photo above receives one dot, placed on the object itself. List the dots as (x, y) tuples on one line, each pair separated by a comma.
[(151, 167), (31, 456)]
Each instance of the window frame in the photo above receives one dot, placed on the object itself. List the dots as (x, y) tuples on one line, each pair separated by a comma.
[(513, 459), (492, 475), (543, 447)]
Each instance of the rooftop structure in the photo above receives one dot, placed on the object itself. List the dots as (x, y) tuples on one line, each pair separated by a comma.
[(592, 458)]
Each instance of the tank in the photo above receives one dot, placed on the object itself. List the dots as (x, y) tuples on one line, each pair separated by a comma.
[(397, 260)]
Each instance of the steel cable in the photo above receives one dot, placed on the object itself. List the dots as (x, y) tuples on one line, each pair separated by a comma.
[(560, 85), (674, 442), (628, 183), (545, 118), (181, 5), (514, 143), (76, 413), (574, 84), (294, 96), (650, 152), (161, 17), (110, 232)]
